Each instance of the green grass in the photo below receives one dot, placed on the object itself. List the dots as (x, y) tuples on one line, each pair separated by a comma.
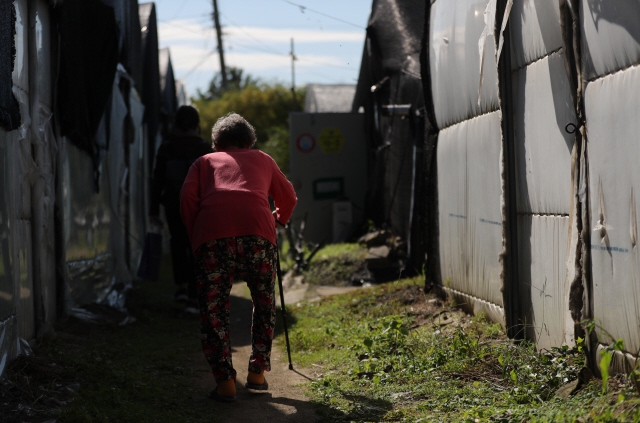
[(377, 365), (353, 251)]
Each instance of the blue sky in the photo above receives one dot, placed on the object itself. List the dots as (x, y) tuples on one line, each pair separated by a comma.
[(257, 38)]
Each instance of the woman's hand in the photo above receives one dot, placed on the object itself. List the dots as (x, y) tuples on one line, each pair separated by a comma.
[(275, 217)]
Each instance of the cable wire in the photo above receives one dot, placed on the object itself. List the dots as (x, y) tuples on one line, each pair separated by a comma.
[(200, 63), (303, 8)]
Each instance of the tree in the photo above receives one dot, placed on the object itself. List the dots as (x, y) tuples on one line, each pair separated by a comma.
[(235, 82)]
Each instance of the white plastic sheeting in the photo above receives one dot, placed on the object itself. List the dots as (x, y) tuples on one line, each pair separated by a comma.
[(22, 175), (543, 288), (613, 124), (455, 30), (23, 277), (21, 65), (610, 36), (7, 294), (86, 222), (535, 30), (469, 198), (44, 148), (542, 109), (118, 175), (8, 344)]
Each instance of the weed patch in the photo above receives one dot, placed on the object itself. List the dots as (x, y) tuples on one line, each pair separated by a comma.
[(389, 354)]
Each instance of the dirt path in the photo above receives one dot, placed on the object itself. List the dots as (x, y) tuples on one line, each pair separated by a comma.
[(284, 401)]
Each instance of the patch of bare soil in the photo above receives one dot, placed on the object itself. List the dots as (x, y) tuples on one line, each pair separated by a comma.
[(284, 401), (336, 271)]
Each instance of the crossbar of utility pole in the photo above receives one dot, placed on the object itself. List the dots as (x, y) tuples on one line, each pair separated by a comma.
[(216, 21)]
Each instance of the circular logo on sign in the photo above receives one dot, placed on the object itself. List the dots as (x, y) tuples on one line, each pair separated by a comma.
[(306, 143), (331, 140)]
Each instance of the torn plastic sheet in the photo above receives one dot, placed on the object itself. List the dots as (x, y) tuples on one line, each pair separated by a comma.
[(489, 29), (101, 314), (46, 168), (27, 172), (8, 333), (23, 347), (116, 172)]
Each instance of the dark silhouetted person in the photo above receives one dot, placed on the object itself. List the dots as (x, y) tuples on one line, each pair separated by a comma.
[(175, 155)]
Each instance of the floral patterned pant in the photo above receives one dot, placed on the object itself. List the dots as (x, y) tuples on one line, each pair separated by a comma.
[(219, 264)]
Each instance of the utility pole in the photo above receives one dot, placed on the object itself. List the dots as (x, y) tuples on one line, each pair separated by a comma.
[(216, 21), (293, 74)]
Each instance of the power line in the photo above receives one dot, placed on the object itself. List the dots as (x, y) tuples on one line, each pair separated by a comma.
[(233, 24), (200, 63), (184, 28), (179, 9), (272, 50), (303, 8), (322, 64)]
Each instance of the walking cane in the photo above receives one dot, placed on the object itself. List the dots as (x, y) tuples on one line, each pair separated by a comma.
[(282, 309)]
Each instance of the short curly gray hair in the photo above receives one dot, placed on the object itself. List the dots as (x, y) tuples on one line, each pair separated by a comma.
[(233, 131)]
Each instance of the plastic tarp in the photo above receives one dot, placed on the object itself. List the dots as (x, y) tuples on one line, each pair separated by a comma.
[(150, 88), (100, 226), (129, 36), (390, 75), (21, 175), (543, 287), (455, 29), (9, 109), (44, 148), (7, 293), (8, 336), (469, 198), (543, 112), (535, 30), (610, 36), (542, 109), (138, 180), (323, 98), (612, 111), (86, 70), (118, 175), (86, 222)]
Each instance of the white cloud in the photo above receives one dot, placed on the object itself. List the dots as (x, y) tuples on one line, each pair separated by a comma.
[(261, 52), (186, 58), (186, 31)]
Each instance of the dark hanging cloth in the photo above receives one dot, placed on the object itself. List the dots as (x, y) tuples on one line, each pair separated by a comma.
[(390, 74), (88, 60), (9, 108), (129, 37)]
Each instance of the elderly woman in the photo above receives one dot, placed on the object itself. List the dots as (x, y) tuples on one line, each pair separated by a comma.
[(224, 204)]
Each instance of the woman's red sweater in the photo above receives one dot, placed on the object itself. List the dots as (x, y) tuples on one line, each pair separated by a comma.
[(226, 194)]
